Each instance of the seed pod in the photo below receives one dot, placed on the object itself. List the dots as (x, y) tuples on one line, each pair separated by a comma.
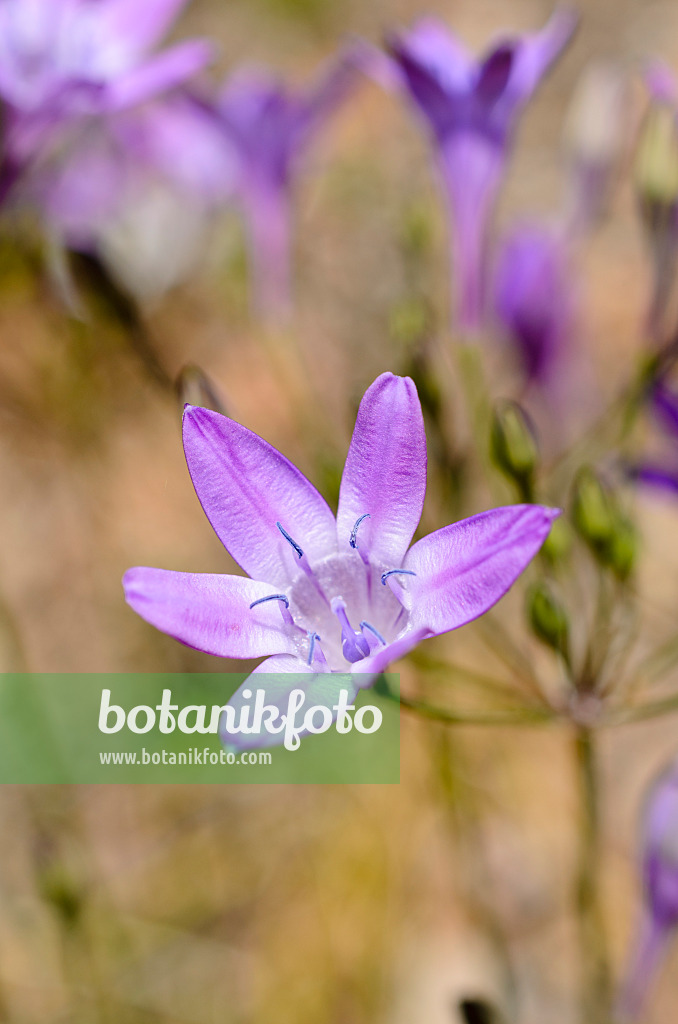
[(548, 619), (513, 445), (593, 511)]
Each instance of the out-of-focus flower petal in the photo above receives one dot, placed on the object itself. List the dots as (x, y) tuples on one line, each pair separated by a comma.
[(464, 569), (282, 674), (168, 69), (662, 477), (184, 141), (209, 612), (139, 26), (534, 296), (661, 81), (665, 407), (385, 472), (245, 487), (431, 46), (536, 53), (471, 169)]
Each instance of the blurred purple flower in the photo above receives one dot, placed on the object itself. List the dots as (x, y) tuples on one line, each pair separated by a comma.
[(62, 59), (660, 885), (534, 297), (270, 128), (332, 594), (471, 106)]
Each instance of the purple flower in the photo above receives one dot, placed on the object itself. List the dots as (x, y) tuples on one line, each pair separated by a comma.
[(332, 595), (660, 885), (61, 59), (471, 107), (270, 128), (534, 297)]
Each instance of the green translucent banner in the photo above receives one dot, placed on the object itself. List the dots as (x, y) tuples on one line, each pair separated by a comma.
[(198, 728)]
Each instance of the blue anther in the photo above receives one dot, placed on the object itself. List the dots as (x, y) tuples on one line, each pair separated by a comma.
[(311, 650), (271, 597), (396, 572), (366, 625), (354, 532), (289, 540)]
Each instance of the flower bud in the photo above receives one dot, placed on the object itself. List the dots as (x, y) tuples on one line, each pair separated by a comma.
[(194, 387), (623, 548), (656, 165), (548, 619), (593, 511), (557, 545), (513, 444)]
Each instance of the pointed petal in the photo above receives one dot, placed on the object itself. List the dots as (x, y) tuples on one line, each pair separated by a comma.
[(369, 668), (494, 74), (435, 49), (463, 569), (278, 676), (170, 68), (536, 53), (210, 613), (245, 486), (385, 472)]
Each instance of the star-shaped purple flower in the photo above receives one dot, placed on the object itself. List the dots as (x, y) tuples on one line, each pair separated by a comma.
[(270, 127), (471, 107), (662, 472), (61, 59), (344, 594)]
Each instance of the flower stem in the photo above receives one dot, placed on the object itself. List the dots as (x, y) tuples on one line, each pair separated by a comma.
[(595, 991)]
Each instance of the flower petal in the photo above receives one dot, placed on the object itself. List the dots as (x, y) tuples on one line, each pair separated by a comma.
[(210, 613), (281, 675), (437, 52), (385, 472), (536, 53), (170, 68), (367, 669), (663, 478), (138, 26), (463, 569), (245, 486)]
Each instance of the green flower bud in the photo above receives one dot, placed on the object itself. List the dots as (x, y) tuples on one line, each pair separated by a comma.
[(656, 165), (593, 511), (548, 619), (513, 444), (623, 548), (557, 545)]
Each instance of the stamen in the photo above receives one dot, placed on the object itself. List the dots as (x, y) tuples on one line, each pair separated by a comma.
[(311, 649), (354, 646), (366, 625), (396, 572), (271, 597), (354, 532), (289, 540)]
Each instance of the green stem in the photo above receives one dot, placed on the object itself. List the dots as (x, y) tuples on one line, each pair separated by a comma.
[(595, 992), (525, 716)]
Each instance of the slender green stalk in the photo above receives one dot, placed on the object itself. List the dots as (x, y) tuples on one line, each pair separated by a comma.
[(595, 992)]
